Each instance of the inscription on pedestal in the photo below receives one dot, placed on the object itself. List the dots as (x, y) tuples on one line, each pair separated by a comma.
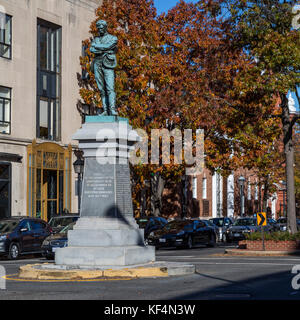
[(98, 194), (123, 192)]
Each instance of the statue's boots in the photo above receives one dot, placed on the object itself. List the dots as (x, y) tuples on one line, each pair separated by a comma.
[(104, 113), (113, 111)]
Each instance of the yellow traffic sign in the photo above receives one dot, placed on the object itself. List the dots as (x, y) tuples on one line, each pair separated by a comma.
[(262, 219)]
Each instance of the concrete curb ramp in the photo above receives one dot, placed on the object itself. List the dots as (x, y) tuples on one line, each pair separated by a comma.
[(53, 272), (243, 252)]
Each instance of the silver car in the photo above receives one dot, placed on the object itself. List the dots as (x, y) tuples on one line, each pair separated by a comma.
[(282, 223), (243, 226)]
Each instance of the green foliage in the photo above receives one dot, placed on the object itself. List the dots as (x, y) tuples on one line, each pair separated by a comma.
[(275, 236)]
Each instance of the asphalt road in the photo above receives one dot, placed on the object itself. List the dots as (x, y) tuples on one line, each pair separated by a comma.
[(217, 277)]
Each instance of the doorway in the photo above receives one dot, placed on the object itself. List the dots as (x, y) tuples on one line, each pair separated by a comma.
[(5, 190), (49, 180)]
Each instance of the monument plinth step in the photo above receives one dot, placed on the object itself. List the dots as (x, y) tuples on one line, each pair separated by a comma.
[(104, 256)]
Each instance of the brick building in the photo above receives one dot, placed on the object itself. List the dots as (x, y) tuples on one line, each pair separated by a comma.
[(208, 196)]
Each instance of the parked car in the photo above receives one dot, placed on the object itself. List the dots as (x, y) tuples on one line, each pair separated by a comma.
[(223, 224), (209, 223), (54, 241), (274, 224), (22, 235), (243, 226), (150, 224), (154, 223), (57, 223), (183, 233), (282, 223)]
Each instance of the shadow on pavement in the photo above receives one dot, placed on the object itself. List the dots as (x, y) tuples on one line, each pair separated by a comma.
[(273, 286)]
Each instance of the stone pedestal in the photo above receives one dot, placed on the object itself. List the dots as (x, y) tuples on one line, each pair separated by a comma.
[(106, 233)]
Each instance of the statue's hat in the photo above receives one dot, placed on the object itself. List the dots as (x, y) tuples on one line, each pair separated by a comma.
[(101, 22)]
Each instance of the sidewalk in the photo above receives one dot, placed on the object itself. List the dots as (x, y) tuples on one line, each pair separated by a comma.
[(244, 252)]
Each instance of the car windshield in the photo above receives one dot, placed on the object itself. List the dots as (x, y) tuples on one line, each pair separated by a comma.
[(61, 222), (8, 226), (68, 227), (282, 220), (142, 223), (178, 225), (209, 223), (218, 222), (245, 222)]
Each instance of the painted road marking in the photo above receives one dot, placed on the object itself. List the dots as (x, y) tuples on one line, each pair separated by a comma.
[(12, 278), (233, 295), (183, 257), (225, 258), (244, 263)]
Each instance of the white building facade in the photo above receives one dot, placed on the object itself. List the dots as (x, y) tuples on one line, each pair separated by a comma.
[(40, 46)]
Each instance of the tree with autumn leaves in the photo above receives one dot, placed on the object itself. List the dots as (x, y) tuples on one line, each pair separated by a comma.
[(184, 70), (263, 28)]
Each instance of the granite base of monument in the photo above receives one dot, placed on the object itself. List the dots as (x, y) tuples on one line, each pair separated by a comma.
[(106, 233), (105, 242)]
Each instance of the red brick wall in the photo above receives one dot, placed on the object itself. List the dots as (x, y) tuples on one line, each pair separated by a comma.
[(270, 245)]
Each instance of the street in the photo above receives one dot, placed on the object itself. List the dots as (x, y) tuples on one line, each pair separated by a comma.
[(218, 277)]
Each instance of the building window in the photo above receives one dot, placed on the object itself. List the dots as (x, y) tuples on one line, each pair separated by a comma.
[(5, 110), (5, 35), (48, 81), (195, 180), (204, 188), (5, 190)]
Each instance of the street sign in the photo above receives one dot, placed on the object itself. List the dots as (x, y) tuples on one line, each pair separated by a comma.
[(262, 219)]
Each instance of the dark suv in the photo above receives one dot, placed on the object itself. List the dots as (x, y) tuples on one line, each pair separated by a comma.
[(22, 235)]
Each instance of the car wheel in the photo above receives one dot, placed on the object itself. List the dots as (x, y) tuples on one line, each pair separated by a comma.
[(14, 251), (189, 243), (212, 242)]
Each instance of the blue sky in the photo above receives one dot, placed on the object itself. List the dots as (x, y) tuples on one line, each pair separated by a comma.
[(165, 5)]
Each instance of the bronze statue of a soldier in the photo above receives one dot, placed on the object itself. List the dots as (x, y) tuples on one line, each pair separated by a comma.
[(105, 47)]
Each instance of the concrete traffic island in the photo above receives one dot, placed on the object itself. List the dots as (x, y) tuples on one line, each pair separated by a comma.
[(54, 272)]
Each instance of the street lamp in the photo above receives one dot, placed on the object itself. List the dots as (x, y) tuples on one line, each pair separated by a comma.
[(241, 184), (78, 168)]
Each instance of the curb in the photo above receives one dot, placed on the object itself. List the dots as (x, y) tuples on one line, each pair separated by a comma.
[(243, 252), (41, 272)]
